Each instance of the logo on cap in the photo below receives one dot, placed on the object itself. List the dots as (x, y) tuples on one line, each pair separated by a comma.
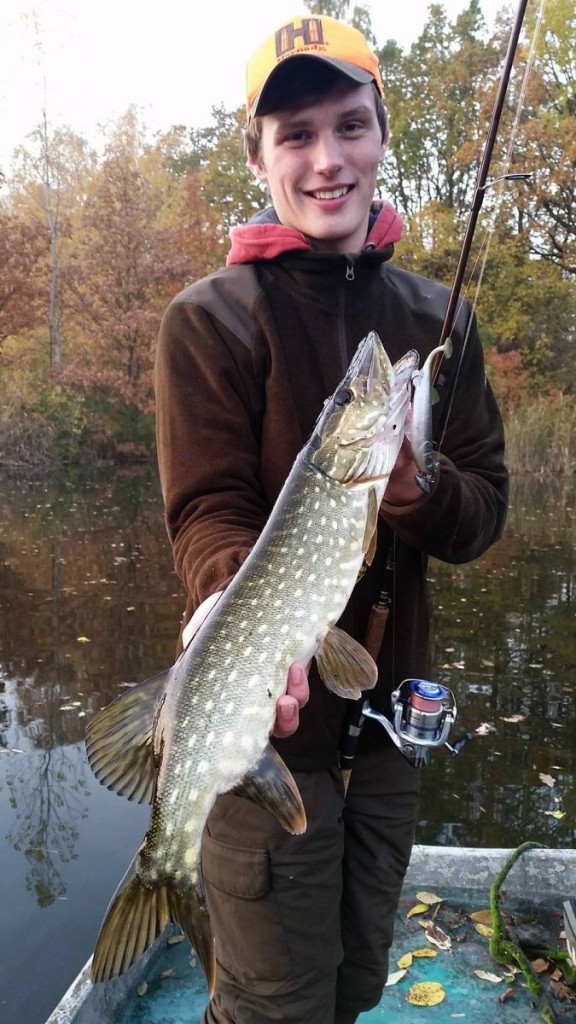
[(310, 31)]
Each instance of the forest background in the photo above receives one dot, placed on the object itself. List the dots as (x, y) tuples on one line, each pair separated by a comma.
[(94, 244)]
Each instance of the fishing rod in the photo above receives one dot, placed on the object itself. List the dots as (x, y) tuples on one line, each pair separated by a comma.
[(424, 711), (482, 183)]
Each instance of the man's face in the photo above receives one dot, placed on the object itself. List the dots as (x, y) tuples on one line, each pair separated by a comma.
[(320, 163)]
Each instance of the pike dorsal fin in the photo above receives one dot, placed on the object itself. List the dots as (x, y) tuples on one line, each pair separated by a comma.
[(119, 741), (270, 784), (345, 667)]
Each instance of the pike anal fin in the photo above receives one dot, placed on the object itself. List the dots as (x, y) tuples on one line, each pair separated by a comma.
[(270, 784), (345, 666)]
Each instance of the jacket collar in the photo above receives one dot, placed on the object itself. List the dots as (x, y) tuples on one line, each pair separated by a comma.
[(265, 238)]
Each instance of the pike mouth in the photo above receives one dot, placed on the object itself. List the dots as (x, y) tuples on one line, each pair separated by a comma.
[(331, 193)]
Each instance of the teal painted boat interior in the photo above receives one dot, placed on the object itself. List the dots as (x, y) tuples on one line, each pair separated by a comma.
[(176, 991)]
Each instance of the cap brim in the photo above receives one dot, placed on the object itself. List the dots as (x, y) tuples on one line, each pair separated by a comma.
[(264, 102)]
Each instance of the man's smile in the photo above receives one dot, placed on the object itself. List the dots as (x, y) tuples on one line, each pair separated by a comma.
[(334, 193)]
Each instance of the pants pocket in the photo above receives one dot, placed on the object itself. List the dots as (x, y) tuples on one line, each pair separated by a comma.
[(245, 916)]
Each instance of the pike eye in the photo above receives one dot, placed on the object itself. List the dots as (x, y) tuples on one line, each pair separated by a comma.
[(344, 397)]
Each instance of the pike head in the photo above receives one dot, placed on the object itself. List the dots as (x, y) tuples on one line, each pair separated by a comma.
[(359, 432)]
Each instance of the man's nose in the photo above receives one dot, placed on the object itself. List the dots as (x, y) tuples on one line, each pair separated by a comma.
[(327, 154)]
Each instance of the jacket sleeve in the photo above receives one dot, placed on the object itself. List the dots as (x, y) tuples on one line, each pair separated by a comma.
[(208, 419), (466, 511)]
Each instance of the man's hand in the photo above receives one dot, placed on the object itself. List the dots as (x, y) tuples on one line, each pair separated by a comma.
[(402, 488), (288, 706), (297, 690)]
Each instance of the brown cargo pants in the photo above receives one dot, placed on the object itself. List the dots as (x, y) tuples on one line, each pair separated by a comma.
[(303, 924)]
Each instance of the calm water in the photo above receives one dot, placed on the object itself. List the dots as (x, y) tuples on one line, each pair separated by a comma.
[(89, 602)]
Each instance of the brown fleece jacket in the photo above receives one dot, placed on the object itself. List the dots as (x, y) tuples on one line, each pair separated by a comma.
[(246, 358)]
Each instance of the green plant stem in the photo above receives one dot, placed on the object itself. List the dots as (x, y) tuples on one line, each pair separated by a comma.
[(503, 947)]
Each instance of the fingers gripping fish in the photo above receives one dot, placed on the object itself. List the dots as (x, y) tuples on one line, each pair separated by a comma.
[(181, 738), (420, 430)]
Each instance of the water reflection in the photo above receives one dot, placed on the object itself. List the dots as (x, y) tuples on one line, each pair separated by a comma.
[(89, 602), (504, 640)]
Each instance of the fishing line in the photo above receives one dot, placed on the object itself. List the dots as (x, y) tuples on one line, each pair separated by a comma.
[(498, 183)]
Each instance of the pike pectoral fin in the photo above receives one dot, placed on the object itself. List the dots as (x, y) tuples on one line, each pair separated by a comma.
[(270, 784), (371, 531), (345, 666), (119, 741)]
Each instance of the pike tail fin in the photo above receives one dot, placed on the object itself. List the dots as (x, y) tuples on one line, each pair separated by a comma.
[(136, 917)]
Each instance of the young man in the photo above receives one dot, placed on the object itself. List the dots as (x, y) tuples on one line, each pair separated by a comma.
[(246, 358)]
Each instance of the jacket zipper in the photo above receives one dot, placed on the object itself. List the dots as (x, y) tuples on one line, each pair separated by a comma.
[(341, 318)]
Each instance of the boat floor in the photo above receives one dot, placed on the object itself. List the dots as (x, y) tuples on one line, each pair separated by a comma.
[(175, 991)]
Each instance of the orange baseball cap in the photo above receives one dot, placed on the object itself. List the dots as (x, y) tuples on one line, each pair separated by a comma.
[(319, 36)]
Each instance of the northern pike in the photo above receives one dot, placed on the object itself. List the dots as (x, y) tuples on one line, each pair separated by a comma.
[(181, 738)]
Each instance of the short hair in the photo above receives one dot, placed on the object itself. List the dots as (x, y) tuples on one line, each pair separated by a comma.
[(298, 89)]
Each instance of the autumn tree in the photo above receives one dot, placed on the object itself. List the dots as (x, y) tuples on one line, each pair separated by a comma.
[(548, 142), (129, 258), (46, 189), (22, 272), (214, 155)]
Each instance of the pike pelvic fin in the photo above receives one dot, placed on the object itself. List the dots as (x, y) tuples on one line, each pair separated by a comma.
[(119, 741), (345, 667), (270, 784), (138, 914)]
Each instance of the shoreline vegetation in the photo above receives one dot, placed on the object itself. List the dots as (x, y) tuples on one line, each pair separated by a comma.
[(540, 441)]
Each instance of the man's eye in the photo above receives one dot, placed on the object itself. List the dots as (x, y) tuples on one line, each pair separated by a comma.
[(296, 137)]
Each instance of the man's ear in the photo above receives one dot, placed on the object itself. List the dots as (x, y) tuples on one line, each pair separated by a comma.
[(256, 168)]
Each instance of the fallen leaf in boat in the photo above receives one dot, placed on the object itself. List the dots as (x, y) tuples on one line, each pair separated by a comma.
[(539, 965), (436, 935), (506, 995), (174, 939), (426, 993), (142, 989), (418, 908), (429, 898), (394, 978), (405, 961), (424, 952), (485, 930), (514, 718), (168, 973), (556, 814), (547, 780), (487, 976), (562, 992), (482, 917)]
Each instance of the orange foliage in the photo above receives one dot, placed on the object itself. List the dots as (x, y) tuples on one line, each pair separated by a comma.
[(507, 377)]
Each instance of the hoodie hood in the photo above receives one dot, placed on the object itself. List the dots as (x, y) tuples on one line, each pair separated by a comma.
[(265, 238)]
